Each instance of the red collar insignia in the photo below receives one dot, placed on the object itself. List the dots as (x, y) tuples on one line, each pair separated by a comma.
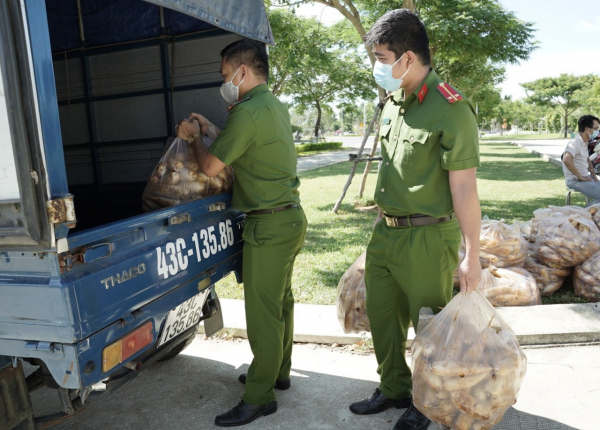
[(422, 93)]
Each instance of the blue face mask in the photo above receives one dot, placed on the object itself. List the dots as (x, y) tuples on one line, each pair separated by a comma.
[(594, 134), (384, 78)]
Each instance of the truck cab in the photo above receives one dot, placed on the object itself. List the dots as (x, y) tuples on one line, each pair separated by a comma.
[(93, 289)]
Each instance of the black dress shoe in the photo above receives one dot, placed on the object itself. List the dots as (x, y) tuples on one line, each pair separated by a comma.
[(378, 403), (245, 413), (412, 419), (280, 384)]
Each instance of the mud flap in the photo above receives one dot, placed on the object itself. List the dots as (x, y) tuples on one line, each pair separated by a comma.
[(215, 322), (15, 405)]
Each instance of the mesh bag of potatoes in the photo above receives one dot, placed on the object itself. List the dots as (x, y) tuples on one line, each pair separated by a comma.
[(501, 244), (566, 240), (511, 286), (467, 364), (586, 278), (351, 298), (548, 279), (178, 179)]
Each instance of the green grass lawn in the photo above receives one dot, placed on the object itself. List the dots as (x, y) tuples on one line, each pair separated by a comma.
[(543, 136), (512, 184)]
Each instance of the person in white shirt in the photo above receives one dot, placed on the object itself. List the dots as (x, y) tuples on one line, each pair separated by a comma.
[(577, 167)]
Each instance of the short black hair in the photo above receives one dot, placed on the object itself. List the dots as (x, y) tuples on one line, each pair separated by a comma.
[(252, 54), (401, 30), (586, 121)]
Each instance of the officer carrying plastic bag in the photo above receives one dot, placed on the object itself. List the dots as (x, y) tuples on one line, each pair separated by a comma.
[(467, 364)]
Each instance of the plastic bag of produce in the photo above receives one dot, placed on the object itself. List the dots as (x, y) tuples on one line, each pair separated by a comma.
[(566, 240), (586, 278), (501, 245), (594, 211), (548, 279), (511, 286), (178, 179), (467, 365), (351, 299)]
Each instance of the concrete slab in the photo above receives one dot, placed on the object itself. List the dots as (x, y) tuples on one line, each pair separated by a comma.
[(560, 392), (548, 150), (534, 325)]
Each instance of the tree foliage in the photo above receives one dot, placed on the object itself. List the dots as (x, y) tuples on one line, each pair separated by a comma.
[(565, 94), (315, 64), (469, 39)]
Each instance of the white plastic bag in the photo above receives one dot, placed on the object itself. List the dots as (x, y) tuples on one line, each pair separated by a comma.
[(511, 286), (548, 279), (351, 298), (586, 278), (178, 178), (467, 365), (566, 240), (501, 244)]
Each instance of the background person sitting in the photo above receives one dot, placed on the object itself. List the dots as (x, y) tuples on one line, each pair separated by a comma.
[(577, 167)]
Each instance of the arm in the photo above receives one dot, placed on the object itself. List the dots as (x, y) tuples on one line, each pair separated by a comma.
[(210, 165), (463, 186), (591, 170), (379, 217), (568, 161)]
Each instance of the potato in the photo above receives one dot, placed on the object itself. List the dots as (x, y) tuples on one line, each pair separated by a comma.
[(446, 368), (467, 403)]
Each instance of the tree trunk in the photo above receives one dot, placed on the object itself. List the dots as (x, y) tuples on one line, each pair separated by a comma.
[(318, 123), (408, 4), (566, 123)]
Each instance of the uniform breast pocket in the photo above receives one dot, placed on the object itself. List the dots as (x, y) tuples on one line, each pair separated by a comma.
[(415, 149), (384, 132)]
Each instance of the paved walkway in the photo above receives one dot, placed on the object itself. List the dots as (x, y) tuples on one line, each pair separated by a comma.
[(560, 392), (549, 150)]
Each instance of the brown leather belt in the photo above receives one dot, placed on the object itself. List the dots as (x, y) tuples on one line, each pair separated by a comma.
[(270, 211), (413, 220)]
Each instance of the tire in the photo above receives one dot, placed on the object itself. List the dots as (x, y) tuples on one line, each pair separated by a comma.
[(597, 169), (176, 350)]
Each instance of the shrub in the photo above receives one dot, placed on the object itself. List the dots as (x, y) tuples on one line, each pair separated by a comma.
[(321, 146)]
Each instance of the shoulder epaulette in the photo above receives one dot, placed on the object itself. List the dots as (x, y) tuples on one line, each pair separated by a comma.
[(449, 93), (232, 105)]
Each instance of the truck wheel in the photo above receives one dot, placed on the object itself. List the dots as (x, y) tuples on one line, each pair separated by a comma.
[(180, 347)]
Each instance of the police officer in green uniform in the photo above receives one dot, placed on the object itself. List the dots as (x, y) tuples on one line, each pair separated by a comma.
[(426, 193), (257, 141)]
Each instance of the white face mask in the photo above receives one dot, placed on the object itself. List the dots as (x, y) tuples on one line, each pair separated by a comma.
[(229, 91), (384, 78)]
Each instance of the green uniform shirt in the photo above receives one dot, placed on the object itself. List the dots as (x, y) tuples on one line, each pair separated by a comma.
[(257, 141), (422, 138)]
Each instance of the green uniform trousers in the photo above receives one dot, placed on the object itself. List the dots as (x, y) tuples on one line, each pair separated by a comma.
[(271, 243), (407, 268)]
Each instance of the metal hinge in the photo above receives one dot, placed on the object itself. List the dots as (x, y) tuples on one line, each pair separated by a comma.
[(43, 346), (87, 255), (61, 210)]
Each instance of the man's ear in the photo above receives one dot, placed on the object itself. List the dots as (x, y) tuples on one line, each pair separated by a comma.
[(411, 58)]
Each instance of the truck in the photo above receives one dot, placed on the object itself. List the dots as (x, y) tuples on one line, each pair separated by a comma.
[(92, 289)]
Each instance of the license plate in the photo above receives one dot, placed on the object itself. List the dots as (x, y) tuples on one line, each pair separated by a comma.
[(183, 317)]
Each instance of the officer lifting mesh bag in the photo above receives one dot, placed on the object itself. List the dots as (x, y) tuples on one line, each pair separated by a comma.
[(178, 178), (467, 366)]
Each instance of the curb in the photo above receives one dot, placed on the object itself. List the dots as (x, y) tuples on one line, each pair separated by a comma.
[(534, 325)]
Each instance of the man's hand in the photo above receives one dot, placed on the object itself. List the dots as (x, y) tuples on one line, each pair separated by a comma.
[(204, 123), (585, 178), (186, 128), (469, 274), (593, 176)]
